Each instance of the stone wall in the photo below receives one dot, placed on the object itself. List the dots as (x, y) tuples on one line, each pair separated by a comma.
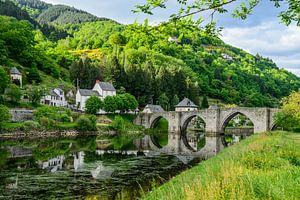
[(48, 134), (21, 115)]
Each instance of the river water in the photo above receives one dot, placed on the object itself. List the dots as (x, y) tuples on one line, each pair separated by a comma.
[(74, 169)]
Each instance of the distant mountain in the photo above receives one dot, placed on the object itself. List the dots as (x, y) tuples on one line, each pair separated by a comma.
[(10, 8), (46, 13), (61, 14), (33, 7)]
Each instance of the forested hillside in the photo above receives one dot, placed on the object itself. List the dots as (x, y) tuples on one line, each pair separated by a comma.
[(157, 64)]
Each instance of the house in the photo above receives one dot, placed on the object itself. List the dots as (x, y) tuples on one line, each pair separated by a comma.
[(153, 109), (56, 97), (186, 105), (226, 56), (16, 76), (100, 89)]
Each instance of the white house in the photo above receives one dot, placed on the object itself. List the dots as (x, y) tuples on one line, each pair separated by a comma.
[(55, 98), (186, 105), (100, 89)]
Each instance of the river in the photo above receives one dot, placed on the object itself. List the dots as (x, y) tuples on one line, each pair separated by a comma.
[(65, 168)]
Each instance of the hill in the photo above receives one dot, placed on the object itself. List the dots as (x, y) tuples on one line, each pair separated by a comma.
[(157, 64), (46, 13)]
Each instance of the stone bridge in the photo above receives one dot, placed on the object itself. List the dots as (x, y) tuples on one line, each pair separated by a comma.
[(215, 120)]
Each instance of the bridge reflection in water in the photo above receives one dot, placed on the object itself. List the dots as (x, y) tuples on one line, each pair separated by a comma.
[(215, 123)]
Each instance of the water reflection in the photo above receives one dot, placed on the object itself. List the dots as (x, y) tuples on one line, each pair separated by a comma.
[(86, 173)]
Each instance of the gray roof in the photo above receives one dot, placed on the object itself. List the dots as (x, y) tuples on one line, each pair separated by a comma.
[(154, 108), (187, 103), (85, 92), (14, 70), (106, 86)]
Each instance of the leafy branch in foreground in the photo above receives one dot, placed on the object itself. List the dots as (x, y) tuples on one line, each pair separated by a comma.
[(242, 10)]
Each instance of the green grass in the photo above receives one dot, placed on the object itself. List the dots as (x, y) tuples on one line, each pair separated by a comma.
[(263, 166), (10, 126), (67, 126)]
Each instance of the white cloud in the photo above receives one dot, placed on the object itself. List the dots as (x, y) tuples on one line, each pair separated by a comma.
[(270, 39)]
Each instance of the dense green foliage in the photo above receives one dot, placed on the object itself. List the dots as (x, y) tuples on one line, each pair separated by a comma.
[(4, 114), (264, 166), (289, 117), (13, 94), (86, 123), (93, 105), (156, 64), (4, 80)]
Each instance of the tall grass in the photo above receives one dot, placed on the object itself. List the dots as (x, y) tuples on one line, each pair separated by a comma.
[(264, 166)]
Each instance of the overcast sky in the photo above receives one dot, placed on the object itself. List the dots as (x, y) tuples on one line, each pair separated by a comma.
[(260, 33)]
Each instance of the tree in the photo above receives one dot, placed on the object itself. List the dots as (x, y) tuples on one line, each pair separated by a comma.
[(35, 94), (131, 102), (289, 14), (163, 100), (289, 117), (4, 114), (109, 104), (13, 94), (33, 75), (175, 101), (4, 80), (85, 72), (93, 105), (204, 103)]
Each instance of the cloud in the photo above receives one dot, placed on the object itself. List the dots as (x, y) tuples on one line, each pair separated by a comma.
[(270, 39)]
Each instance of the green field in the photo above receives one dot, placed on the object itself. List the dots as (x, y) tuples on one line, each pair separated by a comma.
[(264, 166)]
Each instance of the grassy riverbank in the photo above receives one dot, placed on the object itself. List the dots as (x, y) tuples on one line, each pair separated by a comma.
[(264, 166)]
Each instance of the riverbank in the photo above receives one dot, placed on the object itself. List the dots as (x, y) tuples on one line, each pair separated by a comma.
[(264, 166)]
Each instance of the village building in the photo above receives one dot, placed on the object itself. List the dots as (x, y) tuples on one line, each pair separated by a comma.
[(100, 89), (186, 105), (153, 108), (16, 76), (56, 97)]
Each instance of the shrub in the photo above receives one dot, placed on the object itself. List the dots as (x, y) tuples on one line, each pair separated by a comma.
[(65, 118), (45, 111), (296, 129), (29, 125), (46, 122), (118, 123), (4, 114), (13, 94), (93, 120), (83, 123), (75, 115)]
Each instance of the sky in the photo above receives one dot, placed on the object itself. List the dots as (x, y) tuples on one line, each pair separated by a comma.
[(260, 33)]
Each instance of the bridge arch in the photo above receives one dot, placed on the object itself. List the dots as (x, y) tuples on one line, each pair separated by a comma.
[(184, 128), (159, 138), (231, 115)]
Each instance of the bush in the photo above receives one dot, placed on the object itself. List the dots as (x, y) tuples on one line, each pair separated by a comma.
[(118, 123), (46, 122), (45, 111), (84, 123), (13, 94), (75, 115), (4, 114), (65, 118), (29, 125), (296, 129)]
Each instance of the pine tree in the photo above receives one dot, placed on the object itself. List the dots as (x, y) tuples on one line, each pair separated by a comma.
[(204, 103)]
